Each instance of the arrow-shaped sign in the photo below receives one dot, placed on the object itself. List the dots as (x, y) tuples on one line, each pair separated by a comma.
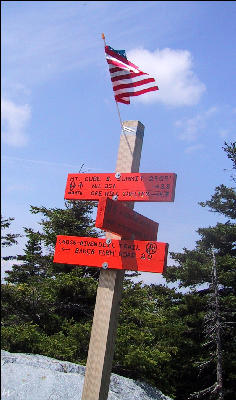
[(114, 216), (136, 255), (123, 187)]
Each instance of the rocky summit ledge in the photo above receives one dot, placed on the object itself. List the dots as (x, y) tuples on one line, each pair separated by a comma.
[(36, 377)]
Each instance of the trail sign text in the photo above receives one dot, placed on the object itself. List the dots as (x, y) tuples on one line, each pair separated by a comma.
[(123, 187), (148, 256)]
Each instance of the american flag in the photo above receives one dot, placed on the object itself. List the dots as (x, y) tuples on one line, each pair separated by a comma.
[(127, 79)]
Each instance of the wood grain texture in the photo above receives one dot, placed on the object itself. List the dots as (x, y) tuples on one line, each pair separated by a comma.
[(103, 334)]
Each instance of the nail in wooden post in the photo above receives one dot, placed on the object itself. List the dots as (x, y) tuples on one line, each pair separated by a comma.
[(103, 334)]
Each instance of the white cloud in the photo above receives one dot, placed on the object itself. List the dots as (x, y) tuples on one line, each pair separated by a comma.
[(173, 71), (190, 128), (15, 119), (191, 149), (224, 133)]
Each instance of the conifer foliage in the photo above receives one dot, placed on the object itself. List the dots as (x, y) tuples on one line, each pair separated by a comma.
[(209, 271), (37, 260), (180, 340), (7, 239)]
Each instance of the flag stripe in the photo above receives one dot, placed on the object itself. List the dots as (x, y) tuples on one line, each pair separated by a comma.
[(139, 92), (118, 64), (115, 69), (121, 99), (115, 56), (122, 80), (126, 91), (127, 79), (133, 84), (125, 76)]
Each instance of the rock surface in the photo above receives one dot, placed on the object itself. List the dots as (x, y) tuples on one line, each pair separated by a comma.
[(36, 377)]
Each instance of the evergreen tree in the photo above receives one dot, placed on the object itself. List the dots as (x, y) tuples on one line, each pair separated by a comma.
[(32, 264), (209, 271), (163, 335), (37, 260), (46, 307), (10, 238), (155, 338)]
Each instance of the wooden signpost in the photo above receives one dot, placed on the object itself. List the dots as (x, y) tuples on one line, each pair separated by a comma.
[(118, 251)]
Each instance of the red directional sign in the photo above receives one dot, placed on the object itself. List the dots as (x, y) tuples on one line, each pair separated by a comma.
[(123, 187), (114, 216), (136, 255)]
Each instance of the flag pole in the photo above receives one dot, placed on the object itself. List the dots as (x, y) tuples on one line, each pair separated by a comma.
[(121, 124), (103, 37)]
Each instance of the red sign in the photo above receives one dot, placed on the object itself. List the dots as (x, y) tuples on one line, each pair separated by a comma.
[(148, 256), (113, 216), (123, 187)]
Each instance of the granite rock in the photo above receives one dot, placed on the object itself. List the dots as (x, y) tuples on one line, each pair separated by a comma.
[(36, 377)]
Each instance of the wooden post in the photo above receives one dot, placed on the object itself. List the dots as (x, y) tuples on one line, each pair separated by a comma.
[(103, 334)]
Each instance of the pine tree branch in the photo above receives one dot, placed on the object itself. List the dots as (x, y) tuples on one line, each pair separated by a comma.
[(204, 392)]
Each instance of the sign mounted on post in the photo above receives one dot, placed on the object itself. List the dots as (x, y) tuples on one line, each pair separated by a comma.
[(121, 186), (135, 255), (114, 216)]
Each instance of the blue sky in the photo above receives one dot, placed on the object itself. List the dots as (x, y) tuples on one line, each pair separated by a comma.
[(58, 109)]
